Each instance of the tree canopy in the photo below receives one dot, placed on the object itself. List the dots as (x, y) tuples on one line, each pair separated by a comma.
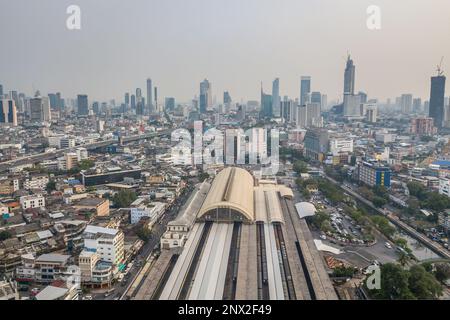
[(124, 198), (399, 283)]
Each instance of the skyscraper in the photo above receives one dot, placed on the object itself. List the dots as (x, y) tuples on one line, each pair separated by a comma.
[(226, 98), (205, 96), (127, 101), (352, 102), (276, 101), (60, 101), (417, 105), (53, 100), (8, 112), (305, 89), (349, 77), (1, 91), (316, 97), (138, 95), (82, 105), (266, 105), (149, 96), (286, 110), (40, 109), (169, 104), (96, 107), (324, 102), (139, 105), (133, 102), (406, 102), (436, 108)]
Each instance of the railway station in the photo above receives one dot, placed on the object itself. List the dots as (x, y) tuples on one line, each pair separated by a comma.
[(243, 241)]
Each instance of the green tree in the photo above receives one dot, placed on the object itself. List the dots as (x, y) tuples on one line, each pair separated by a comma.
[(417, 190), (436, 201), (144, 233), (51, 186), (442, 272), (321, 221), (423, 284), (344, 271), (124, 198), (394, 283), (300, 167), (383, 225), (86, 164), (5, 235), (379, 201), (381, 191), (203, 176)]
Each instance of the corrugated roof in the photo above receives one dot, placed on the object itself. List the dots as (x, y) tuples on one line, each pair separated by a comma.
[(232, 188)]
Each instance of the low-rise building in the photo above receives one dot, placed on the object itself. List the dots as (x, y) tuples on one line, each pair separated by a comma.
[(8, 290), (32, 201), (63, 292), (444, 186), (94, 271), (107, 243), (99, 206), (143, 207), (51, 267), (38, 181)]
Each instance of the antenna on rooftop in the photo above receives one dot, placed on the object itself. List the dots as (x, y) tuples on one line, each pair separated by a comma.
[(440, 72)]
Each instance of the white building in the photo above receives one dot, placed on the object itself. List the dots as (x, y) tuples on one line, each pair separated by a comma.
[(313, 115), (142, 207), (82, 154), (385, 137), (106, 242), (33, 201), (36, 182), (257, 145), (93, 270), (338, 146), (444, 186), (55, 140), (352, 106)]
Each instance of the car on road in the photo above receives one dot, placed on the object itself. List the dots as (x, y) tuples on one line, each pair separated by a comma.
[(388, 245)]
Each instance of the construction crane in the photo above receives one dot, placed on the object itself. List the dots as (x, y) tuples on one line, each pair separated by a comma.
[(439, 68)]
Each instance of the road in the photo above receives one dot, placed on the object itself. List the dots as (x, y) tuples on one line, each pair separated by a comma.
[(437, 248), (147, 250)]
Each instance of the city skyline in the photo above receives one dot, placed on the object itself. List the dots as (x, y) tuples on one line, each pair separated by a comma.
[(210, 52)]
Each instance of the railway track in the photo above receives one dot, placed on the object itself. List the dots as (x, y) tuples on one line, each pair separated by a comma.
[(263, 281), (188, 280), (229, 292), (309, 283), (286, 275)]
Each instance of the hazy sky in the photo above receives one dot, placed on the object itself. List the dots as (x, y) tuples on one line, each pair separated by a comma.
[(236, 44)]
